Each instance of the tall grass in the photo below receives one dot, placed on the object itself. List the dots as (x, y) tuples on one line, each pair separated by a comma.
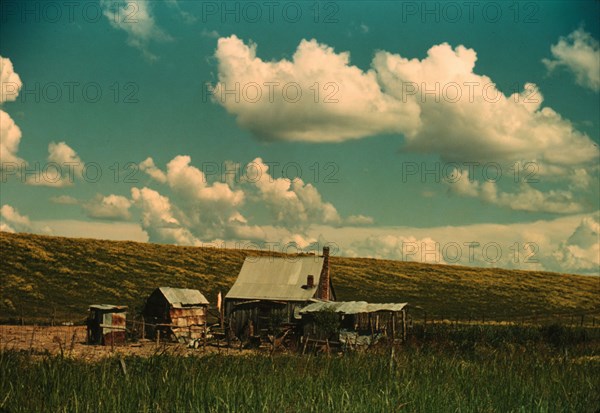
[(487, 380)]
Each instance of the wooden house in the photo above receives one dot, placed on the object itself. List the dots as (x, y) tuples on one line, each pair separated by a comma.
[(269, 292)]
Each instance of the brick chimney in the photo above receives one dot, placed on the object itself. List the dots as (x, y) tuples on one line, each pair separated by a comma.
[(324, 292)]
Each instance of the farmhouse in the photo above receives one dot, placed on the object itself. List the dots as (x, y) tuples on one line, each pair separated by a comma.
[(106, 324), (177, 312), (353, 323), (269, 291)]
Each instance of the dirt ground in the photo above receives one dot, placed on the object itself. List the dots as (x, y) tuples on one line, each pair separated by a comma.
[(71, 341)]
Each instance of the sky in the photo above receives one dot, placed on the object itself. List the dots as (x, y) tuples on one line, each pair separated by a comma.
[(443, 132)]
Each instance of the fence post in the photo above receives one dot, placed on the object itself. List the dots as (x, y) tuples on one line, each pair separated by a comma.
[(403, 325)]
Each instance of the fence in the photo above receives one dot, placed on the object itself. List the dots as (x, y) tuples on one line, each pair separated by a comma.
[(423, 329)]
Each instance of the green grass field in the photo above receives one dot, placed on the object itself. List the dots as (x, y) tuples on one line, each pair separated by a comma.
[(486, 379), (43, 277)]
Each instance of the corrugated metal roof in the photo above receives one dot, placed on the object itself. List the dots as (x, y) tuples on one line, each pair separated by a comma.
[(183, 296), (108, 307), (275, 278), (352, 307)]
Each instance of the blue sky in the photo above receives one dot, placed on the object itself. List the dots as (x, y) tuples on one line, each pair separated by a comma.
[(498, 100)]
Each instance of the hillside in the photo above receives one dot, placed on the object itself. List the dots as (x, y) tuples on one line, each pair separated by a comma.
[(43, 277)]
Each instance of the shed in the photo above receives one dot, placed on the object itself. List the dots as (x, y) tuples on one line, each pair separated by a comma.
[(180, 312), (269, 291), (106, 324), (353, 322)]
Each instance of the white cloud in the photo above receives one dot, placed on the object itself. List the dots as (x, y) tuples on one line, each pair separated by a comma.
[(188, 18), (64, 200), (479, 123), (191, 183), (359, 220), (544, 245), (13, 221), (137, 20), (158, 220), (350, 103), (10, 82), (10, 137), (64, 166), (119, 231), (466, 118), (581, 252), (293, 203), (61, 153), (402, 248), (10, 133), (151, 169), (111, 207), (526, 198), (579, 52), (205, 208), (212, 34), (211, 211)]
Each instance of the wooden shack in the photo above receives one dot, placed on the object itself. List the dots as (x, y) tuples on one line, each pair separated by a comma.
[(178, 313), (353, 323), (269, 291), (106, 324)]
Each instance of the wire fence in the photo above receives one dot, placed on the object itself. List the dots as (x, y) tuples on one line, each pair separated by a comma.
[(65, 334)]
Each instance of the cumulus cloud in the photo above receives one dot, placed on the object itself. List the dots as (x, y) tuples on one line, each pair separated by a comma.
[(111, 207), (277, 99), (543, 245), (472, 119), (202, 210), (64, 166), (10, 133), (292, 202), (12, 221), (191, 183), (10, 137), (439, 104), (526, 198), (206, 208), (158, 219), (581, 252), (579, 53), (151, 169), (10, 82), (137, 20), (397, 247), (211, 211)]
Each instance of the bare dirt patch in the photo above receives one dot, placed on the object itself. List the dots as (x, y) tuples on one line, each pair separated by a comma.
[(70, 341)]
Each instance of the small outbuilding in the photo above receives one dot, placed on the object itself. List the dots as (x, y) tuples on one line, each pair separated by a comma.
[(106, 324), (177, 312), (353, 323)]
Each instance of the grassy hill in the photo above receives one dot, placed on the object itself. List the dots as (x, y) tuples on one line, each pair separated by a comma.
[(43, 277)]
